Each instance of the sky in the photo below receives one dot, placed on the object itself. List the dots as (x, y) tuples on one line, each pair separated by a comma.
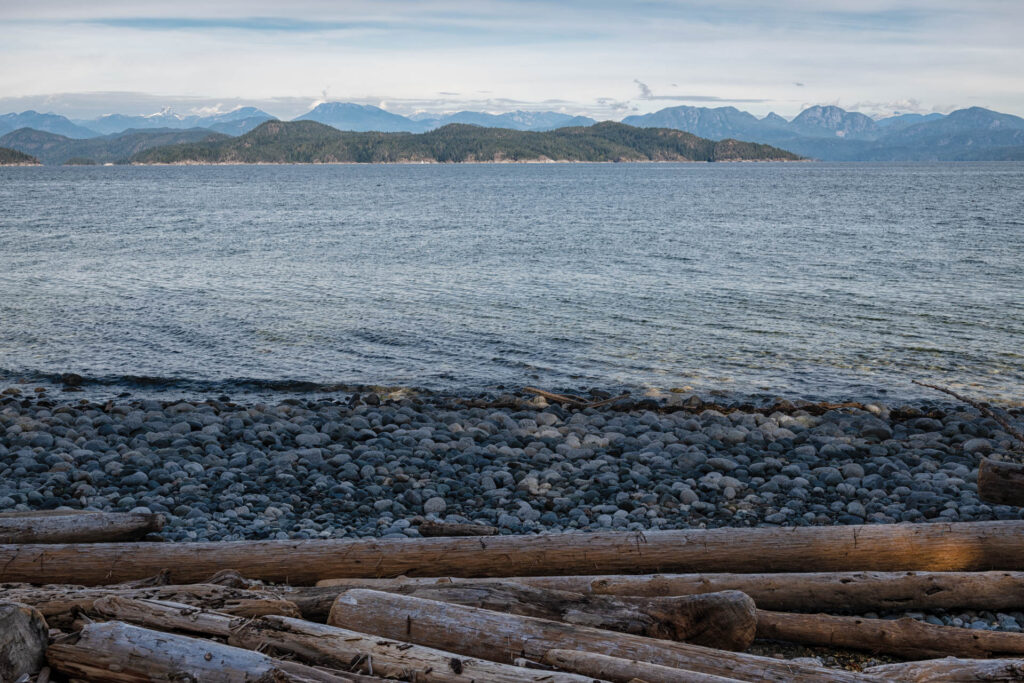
[(602, 58)]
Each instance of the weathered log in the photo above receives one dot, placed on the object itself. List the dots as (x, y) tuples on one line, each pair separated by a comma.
[(855, 592), (75, 526), (882, 547), (618, 670), (61, 605), (1001, 482), (432, 529), (475, 632), (907, 638), (951, 670), (121, 653), (23, 640), (322, 645), (724, 620)]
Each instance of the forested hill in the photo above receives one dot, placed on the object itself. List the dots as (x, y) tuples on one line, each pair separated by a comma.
[(311, 142), (12, 157)]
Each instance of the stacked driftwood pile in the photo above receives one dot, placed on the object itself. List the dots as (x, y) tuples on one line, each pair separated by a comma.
[(556, 608)]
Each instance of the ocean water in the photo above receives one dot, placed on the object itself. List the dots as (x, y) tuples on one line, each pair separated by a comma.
[(802, 280)]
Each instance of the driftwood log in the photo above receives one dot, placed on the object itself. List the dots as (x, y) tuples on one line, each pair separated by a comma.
[(61, 605), (724, 620), (475, 632), (74, 526), (23, 640), (619, 670), (1001, 482), (855, 592), (121, 653), (906, 638), (329, 646), (952, 670), (880, 547)]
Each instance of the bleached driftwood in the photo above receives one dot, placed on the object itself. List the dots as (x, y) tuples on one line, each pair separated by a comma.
[(74, 526), (724, 620), (475, 632), (619, 670), (952, 670), (115, 652), (322, 645), (60, 605), (906, 638), (855, 592)]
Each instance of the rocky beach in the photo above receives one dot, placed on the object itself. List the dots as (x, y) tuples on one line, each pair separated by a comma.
[(369, 464)]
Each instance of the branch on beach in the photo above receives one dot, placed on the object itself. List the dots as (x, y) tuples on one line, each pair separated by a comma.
[(982, 408), (574, 400)]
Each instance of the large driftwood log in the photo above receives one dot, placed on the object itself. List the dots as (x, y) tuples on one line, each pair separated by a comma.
[(952, 670), (1001, 482), (55, 526), (855, 592), (618, 670), (61, 605), (880, 547), (906, 638), (23, 640), (322, 645), (121, 653), (484, 633), (724, 620)]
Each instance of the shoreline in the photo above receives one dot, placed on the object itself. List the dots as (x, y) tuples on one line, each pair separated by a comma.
[(374, 464), (538, 162)]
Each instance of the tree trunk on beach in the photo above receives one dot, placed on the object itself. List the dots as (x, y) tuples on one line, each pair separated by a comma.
[(906, 638), (619, 670), (475, 632), (724, 620), (855, 592), (877, 547), (120, 653), (1001, 482), (76, 526), (952, 670), (317, 644), (61, 604)]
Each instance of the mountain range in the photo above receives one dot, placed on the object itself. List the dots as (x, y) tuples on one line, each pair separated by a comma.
[(834, 134), (50, 148), (309, 142), (819, 132)]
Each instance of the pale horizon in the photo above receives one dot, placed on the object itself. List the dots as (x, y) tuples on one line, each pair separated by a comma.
[(603, 60)]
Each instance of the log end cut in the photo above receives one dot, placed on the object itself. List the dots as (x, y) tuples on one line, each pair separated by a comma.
[(24, 636)]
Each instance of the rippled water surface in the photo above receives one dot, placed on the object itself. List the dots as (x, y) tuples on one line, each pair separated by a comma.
[(816, 280)]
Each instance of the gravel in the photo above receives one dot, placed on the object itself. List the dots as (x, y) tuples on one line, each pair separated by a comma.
[(378, 466)]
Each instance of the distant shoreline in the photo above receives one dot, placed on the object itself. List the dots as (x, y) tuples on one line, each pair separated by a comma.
[(536, 162)]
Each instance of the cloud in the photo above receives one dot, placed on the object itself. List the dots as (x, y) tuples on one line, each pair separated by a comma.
[(647, 94), (196, 53)]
